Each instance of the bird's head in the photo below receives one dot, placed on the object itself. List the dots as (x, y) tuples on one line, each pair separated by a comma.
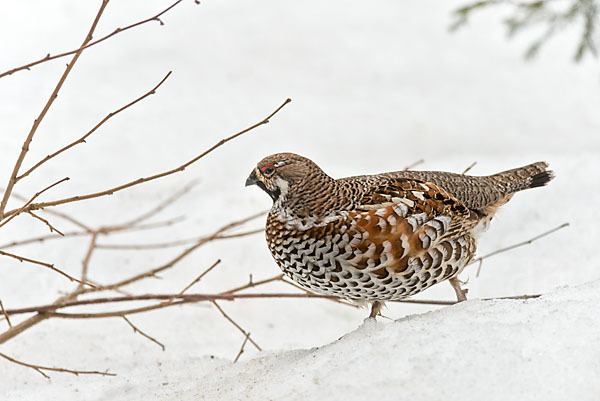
[(283, 173)]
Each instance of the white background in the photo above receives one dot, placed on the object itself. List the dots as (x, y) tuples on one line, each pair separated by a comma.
[(375, 87)]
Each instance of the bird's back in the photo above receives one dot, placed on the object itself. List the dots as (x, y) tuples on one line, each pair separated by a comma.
[(476, 192)]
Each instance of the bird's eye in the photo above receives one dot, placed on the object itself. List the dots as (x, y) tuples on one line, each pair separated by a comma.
[(268, 170)]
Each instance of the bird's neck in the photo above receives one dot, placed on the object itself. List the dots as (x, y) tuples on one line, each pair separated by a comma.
[(307, 200)]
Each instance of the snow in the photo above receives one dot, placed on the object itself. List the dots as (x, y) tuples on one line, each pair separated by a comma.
[(493, 350), (375, 87)]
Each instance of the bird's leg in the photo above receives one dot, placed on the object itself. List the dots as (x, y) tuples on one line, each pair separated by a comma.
[(375, 309), (461, 294)]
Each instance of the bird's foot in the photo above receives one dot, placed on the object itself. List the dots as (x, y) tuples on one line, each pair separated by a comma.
[(461, 294)]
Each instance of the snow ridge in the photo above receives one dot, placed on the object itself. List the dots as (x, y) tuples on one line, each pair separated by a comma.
[(477, 350)]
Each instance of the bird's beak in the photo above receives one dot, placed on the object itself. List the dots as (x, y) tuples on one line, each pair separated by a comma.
[(251, 180)]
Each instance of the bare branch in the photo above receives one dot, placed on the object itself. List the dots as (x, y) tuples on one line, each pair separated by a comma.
[(31, 200), (226, 316), (111, 191), (175, 243), (88, 255), (41, 369), (49, 266), (21, 327), (116, 31), (242, 348), (161, 206), (204, 273), (13, 177), (136, 330), (46, 222), (337, 300), (180, 256), (508, 248), (59, 214), (253, 284), (90, 132), (5, 315)]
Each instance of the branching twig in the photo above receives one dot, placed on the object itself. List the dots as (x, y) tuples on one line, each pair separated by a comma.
[(46, 222), (204, 273), (13, 177), (160, 207), (508, 248), (175, 243), (226, 316), (252, 284), (541, 12), (5, 315), (180, 256), (88, 255), (136, 330), (48, 57), (242, 348), (90, 132), (19, 211), (40, 369), (49, 266), (35, 206)]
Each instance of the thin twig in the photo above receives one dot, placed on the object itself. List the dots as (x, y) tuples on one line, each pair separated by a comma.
[(136, 330), (49, 266), (413, 165), (48, 57), (90, 132), (161, 206), (46, 222), (469, 168), (175, 243), (181, 255), (5, 315), (25, 148), (204, 273), (187, 298), (508, 248), (88, 255), (226, 316), (242, 348), (58, 214), (102, 230), (40, 369), (35, 206), (31, 200), (337, 300), (253, 284)]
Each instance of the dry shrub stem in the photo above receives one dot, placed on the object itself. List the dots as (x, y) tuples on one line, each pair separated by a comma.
[(226, 316), (242, 348), (226, 295), (40, 369), (508, 248), (49, 266), (19, 211), (13, 177), (35, 206), (90, 132), (5, 315), (136, 330), (46, 222), (49, 57)]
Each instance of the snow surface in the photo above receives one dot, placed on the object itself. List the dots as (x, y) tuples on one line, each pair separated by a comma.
[(375, 87)]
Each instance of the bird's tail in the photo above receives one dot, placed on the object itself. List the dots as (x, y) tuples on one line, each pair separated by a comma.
[(518, 179)]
